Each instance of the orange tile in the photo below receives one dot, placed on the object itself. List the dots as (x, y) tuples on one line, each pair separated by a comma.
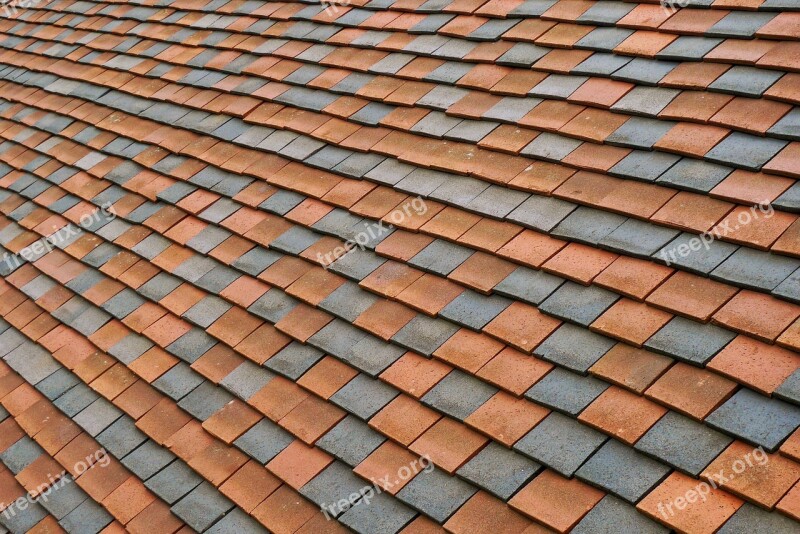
[(693, 140), (633, 277), (693, 212), (303, 322), (669, 503), (414, 374), (631, 368), (759, 315), (277, 398), (128, 500), (385, 318), (468, 350), (531, 248), (404, 419), (790, 504), (691, 391), (754, 226), (383, 465), (298, 463), (312, 418), (514, 371), (485, 513), (284, 511), (580, 263), (631, 321), (429, 294), (753, 474), (449, 444), (506, 418), (482, 272), (623, 414), (762, 367), (233, 420), (556, 501), (327, 377), (522, 326), (691, 295), (250, 485), (391, 278)]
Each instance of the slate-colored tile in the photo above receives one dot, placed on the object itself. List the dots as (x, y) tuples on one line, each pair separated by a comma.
[(689, 340), (683, 443), (424, 334), (474, 310), (246, 380), (613, 515), (178, 382), (574, 347), (450, 394), (264, 441), (638, 238), (750, 518), (205, 400), (350, 441), (560, 443), (756, 419), (605, 467), (588, 225), (202, 507), (436, 494), (755, 269), (499, 471), (579, 304), (121, 437), (566, 391), (382, 515), (705, 257), (364, 396), (191, 345), (173, 482), (148, 459), (87, 517), (541, 213), (294, 360)]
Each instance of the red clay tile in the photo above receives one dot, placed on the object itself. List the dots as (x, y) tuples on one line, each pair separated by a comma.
[(522, 326), (298, 463), (631, 321), (759, 315), (506, 418), (672, 504), (692, 391), (633, 277), (385, 464), (630, 367), (385, 318), (404, 419), (762, 367), (327, 377), (514, 371), (555, 501), (250, 486), (691, 295), (580, 263), (753, 474), (623, 414), (485, 513), (414, 374), (449, 444)]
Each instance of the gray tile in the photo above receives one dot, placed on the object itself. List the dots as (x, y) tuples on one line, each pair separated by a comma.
[(541, 213), (173, 482), (203, 506), (191, 345), (550, 147), (694, 254), (441, 257), (178, 382), (638, 238), (348, 301), (497, 201), (788, 127), (64, 498), (205, 400), (207, 310), (382, 515), (273, 305), (448, 396), (640, 132), (588, 225), (689, 340), (756, 419), (603, 470), (750, 518), (350, 441), (121, 437), (499, 471), (148, 459), (364, 396), (76, 399), (557, 86), (574, 347), (740, 24), (294, 360), (97, 416), (603, 38), (246, 380), (264, 441), (688, 47), (644, 165), (560, 443), (566, 391), (579, 304), (601, 64), (21, 454), (649, 101), (334, 485), (645, 71), (256, 260), (612, 515), (528, 285), (130, 347), (424, 334), (88, 517), (235, 522), (755, 269), (436, 494), (474, 310), (683, 443), (790, 388), (745, 150), (522, 55)]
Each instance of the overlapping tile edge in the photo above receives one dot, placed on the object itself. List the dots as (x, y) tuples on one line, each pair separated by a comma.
[(503, 311)]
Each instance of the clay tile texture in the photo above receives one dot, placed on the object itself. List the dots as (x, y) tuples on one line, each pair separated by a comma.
[(400, 266)]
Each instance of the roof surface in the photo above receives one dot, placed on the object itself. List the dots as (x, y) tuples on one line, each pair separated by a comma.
[(480, 266)]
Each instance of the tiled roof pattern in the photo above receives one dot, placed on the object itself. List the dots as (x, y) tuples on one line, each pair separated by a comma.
[(528, 306)]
